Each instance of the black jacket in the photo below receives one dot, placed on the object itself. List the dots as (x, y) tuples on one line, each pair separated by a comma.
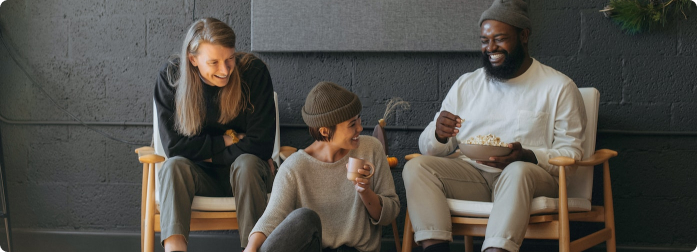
[(258, 121)]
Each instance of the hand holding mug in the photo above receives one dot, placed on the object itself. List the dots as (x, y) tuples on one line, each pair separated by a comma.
[(359, 172)]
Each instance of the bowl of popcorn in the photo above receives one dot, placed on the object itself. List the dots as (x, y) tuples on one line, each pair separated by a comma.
[(481, 147)]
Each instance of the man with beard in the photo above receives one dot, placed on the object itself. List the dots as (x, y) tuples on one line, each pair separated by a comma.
[(535, 108)]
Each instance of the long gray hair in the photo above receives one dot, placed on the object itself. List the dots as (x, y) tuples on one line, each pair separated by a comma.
[(190, 107)]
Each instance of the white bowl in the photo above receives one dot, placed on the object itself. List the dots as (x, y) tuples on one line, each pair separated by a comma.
[(483, 152)]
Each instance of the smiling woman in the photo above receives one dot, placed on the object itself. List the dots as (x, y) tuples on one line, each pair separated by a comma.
[(208, 90), (312, 192)]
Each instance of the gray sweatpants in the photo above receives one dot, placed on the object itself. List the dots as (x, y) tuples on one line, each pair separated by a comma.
[(430, 180), (248, 179)]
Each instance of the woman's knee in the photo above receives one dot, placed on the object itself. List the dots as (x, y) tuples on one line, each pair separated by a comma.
[(306, 217), (174, 165), (248, 166)]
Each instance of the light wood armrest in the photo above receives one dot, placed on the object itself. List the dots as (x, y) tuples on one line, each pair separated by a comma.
[(599, 157), (410, 156), (286, 151), (147, 155)]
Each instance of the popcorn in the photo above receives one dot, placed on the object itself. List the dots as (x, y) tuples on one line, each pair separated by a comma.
[(490, 140)]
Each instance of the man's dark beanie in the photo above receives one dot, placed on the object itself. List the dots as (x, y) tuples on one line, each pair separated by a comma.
[(512, 12), (329, 104)]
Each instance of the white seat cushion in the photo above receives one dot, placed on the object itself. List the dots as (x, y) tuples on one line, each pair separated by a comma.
[(213, 204), (540, 205)]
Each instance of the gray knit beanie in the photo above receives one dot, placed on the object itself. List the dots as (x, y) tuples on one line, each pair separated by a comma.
[(512, 12), (329, 104)]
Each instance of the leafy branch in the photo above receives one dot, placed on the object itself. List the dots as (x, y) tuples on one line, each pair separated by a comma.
[(635, 16)]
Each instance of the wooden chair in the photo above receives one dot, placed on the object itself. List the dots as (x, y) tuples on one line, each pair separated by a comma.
[(550, 217), (208, 213)]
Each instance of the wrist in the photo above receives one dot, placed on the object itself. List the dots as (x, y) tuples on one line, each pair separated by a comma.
[(442, 140), (529, 156)]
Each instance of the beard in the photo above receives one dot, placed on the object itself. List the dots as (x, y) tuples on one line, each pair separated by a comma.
[(508, 68)]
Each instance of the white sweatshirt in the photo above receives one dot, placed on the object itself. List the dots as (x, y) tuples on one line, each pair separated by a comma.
[(542, 109)]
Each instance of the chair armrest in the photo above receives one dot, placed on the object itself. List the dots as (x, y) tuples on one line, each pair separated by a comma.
[(147, 155), (599, 157)]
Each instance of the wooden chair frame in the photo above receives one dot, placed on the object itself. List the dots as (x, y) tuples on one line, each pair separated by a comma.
[(550, 226)]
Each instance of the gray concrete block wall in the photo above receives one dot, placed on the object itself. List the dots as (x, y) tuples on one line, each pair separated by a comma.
[(98, 59)]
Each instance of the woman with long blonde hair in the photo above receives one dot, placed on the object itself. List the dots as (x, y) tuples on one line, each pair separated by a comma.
[(217, 124)]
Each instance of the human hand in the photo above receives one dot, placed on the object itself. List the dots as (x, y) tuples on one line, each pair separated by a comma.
[(362, 184), (447, 126), (517, 154)]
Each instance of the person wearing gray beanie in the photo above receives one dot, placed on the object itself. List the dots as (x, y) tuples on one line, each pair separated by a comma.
[(315, 204), (537, 110), (512, 12)]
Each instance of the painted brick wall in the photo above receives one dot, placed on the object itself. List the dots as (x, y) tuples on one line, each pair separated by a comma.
[(98, 59)]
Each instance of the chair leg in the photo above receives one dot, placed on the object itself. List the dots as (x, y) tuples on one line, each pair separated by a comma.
[(469, 244), (395, 232), (564, 237), (408, 238), (143, 198), (609, 209), (149, 244)]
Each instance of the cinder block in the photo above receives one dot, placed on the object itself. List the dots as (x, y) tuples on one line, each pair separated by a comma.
[(315, 67), (684, 233), (116, 37), (137, 135), (51, 90), (104, 205), (75, 161), (38, 205), (683, 116), (659, 79), (621, 143), (38, 134), (15, 87), (122, 164), (654, 116), (652, 166), (547, 28), (166, 35), (601, 36), (454, 65), (419, 115), (14, 147), (414, 77), (236, 13), (683, 143), (628, 220), (687, 37), (602, 73), (296, 137), (41, 38)]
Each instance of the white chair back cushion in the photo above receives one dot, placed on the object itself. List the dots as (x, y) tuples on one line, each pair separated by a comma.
[(205, 203), (580, 180)]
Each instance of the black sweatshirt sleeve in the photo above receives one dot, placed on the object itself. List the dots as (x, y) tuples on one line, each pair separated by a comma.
[(260, 118), (195, 148)]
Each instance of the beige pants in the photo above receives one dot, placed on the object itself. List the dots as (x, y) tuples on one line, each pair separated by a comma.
[(430, 180)]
